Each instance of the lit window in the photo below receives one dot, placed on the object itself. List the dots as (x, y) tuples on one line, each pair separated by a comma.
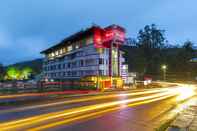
[(89, 40), (77, 46), (70, 48), (61, 51), (64, 50), (52, 54), (56, 53)]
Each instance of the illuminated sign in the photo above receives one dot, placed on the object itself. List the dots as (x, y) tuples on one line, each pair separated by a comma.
[(113, 34), (103, 37), (98, 42)]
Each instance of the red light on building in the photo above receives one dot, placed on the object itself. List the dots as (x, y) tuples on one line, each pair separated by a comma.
[(108, 35), (98, 38), (112, 33), (103, 37)]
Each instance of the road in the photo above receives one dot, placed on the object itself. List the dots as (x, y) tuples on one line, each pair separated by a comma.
[(140, 110)]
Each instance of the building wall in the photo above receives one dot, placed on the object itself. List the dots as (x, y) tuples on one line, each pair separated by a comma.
[(94, 52), (81, 62)]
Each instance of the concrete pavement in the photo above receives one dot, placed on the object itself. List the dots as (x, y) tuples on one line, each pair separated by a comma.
[(186, 120)]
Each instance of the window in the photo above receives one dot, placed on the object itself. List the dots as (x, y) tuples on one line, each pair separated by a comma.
[(51, 67), (106, 61), (81, 63), (56, 53), (70, 48), (59, 74), (69, 65), (59, 66), (64, 50), (54, 67), (89, 40), (76, 46), (64, 74), (64, 66), (52, 54), (74, 64), (101, 61), (101, 72), (68, 73), (90, 62)]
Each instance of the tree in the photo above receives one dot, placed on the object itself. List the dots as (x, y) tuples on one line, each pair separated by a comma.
[(13, 73), (151, 37), (131, 42), (188, 48), (26, 72), (151, 41), (2, 71), (185, 55)]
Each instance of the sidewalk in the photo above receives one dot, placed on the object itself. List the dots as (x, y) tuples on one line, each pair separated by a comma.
[(186, 120)]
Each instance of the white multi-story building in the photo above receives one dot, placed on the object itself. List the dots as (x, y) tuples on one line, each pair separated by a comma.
[(92, 52)]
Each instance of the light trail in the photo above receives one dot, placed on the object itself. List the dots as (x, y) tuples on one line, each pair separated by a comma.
[(90, 98), (66, 113), (16, 96), (93, 115), (45, 94)]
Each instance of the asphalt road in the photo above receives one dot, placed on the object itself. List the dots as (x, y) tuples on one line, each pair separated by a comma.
[(141, 110)]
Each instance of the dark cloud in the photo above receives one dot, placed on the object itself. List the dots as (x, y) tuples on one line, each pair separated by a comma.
[(27, 27)]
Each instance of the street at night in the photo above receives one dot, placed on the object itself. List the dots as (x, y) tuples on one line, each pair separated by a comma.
[(98, 65), (143, 109)]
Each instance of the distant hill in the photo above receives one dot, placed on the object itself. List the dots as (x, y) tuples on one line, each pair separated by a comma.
[(36, 65)]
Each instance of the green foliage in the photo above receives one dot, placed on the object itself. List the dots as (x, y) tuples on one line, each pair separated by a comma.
[(153, 50), (26, 72), (151, 41), (2, 72), (179, 61), (35, 65), (13, 73), (151, 38)]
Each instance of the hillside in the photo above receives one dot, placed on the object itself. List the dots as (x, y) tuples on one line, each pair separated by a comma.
[(36, 65)]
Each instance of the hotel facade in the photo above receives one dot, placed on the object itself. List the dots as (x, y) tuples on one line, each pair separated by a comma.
[(91, 54)]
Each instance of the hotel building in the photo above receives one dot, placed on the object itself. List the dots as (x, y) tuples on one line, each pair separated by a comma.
[(90, 54)]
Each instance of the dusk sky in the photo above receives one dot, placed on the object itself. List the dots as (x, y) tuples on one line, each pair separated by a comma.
[(29, 26)]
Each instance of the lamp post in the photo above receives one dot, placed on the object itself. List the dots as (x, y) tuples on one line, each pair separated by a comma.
[(164, 68)]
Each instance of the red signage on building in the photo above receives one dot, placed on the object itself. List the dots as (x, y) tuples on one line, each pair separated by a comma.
[(114, 33), (98, 40), (104, 37)]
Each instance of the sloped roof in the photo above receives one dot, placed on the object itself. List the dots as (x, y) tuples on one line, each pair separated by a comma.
[(70, 39)]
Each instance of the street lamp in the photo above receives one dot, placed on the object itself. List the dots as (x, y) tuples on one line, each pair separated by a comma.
[(164, 68)]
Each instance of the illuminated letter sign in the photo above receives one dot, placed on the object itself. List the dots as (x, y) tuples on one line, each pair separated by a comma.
[(103, 37), (114, 33), (98, 38)]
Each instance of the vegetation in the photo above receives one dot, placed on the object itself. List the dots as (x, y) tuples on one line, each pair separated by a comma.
[(145, 55), (152, 50), (13, 73), (21, 71), (35, 65), (2, 72)]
